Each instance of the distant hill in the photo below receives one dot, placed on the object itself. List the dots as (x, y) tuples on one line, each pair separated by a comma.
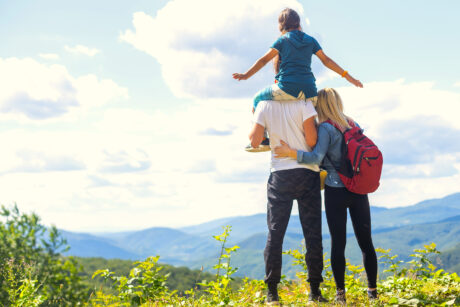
[(402, 229), (432, 210), (87, 245), (174, 246), (449, 260), (401, 240)]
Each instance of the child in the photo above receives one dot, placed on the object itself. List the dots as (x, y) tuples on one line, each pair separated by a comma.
[(292, 54)]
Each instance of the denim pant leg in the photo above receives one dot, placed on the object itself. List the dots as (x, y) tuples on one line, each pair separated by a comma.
[(273, 92), (309, 202), (279, 208), (263, 94)]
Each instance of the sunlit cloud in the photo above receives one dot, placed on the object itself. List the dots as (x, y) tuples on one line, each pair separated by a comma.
[(84, 50), (84, 161), (199, 54), (49, 56), (34, 161), (161, 163), (35, 91)]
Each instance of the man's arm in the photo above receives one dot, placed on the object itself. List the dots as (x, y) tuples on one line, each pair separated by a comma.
[(256, 135), (309, 128)]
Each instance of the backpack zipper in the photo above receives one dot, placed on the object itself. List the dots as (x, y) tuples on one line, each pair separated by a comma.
[(356, 155), (367, 160)]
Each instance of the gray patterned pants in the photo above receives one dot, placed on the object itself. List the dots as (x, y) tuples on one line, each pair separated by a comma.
[(282, 188)]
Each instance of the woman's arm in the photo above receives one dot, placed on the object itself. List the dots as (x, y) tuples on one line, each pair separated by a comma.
[(313, 157), (329, 63), (257, 65)]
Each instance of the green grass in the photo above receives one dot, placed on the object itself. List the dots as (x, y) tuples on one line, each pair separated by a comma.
[(417, 282)]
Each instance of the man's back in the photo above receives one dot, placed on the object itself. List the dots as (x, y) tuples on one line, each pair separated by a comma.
[(290, 181), (284, 121)]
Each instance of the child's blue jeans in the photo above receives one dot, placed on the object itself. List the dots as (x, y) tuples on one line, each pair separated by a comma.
[(273, 92)]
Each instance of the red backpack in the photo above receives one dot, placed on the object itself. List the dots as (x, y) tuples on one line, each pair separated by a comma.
[(362, 161)]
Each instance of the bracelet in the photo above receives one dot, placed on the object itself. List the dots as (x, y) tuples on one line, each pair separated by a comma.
[(344, 73)]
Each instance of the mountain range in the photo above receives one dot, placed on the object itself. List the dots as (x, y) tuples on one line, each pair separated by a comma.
[(402, 229)]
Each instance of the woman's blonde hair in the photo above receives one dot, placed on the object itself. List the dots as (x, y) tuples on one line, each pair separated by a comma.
[(329, 106)]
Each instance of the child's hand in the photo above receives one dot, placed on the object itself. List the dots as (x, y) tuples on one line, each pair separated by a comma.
[(240, 76), (353, 81)]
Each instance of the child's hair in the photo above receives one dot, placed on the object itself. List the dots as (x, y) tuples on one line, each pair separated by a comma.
[(329, 106), (288, 20)]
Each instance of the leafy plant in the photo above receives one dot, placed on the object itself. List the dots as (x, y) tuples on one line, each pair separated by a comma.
[(24, 242), (22, 289), (144, 283), (34, 273), (219, 289)]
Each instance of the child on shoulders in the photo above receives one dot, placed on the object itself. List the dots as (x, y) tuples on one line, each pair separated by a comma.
[(292, 53)]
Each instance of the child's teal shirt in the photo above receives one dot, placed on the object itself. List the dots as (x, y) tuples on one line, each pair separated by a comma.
[(295, 49)]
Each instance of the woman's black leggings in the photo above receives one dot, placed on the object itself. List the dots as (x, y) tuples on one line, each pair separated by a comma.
[(337, 200)]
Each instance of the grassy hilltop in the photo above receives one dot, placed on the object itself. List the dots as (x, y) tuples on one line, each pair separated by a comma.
[(34, 273)]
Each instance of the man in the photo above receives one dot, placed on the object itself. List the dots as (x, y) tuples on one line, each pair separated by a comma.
[(294, 123)]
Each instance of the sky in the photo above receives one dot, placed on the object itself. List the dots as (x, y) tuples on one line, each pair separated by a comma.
[(123, 115)]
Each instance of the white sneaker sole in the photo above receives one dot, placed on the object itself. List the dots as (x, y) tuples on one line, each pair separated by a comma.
[(261, 148)]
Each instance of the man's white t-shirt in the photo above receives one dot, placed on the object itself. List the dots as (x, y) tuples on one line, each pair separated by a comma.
[(284, 121)]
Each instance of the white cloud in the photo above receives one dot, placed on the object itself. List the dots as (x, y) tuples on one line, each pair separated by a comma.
[(416, 127), (35, 91), (142, 168), (326, 76), (457, 84), (49, 56), (80, 49), (199, 49), (33, 161)]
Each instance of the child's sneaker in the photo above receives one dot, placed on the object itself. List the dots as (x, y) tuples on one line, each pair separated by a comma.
[(264, 146)]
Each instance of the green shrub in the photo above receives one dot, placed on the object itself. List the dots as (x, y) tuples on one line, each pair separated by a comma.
[(34, 273), (33, 253)]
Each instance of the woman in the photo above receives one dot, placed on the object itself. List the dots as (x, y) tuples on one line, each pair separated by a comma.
[(337, 197)]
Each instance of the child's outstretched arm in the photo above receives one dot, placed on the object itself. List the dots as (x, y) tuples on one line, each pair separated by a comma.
[(329, 63), (257, 65)]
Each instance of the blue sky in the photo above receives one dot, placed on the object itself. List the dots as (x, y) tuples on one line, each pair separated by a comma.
[(123, 115)]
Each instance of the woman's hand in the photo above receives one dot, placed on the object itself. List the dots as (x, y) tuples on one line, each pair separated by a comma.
[(284, 151), (239, 77), (353, 81)]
